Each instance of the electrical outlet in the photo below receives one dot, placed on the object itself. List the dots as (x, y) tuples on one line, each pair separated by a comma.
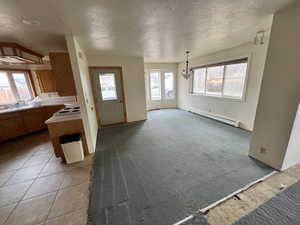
[(263, 150)]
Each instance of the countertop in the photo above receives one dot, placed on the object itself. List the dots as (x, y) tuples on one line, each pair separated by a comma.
[(57, 119), (28, 107)]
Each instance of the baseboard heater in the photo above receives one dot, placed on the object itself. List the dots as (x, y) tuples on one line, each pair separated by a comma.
[(217, 117)]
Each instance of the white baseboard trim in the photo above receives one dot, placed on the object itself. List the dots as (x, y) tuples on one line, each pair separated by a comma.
[(221, 118)]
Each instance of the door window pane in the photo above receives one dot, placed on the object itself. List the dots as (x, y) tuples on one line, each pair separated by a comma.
[(234, 80), (199, 78), (214, 81), (6, 94), (155, 87), (108, 86), (22, 86), (169, 85)]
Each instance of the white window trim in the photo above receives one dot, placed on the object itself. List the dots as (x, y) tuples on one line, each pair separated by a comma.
[(13, 85), (162, 83), (230, 98)]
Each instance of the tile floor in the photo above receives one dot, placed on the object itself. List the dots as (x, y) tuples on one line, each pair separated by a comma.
[(36, 188)]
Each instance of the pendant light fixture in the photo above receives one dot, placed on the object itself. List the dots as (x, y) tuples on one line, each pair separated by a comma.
[(187, 72)]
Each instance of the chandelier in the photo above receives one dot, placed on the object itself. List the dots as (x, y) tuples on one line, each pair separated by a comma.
[(187, 72)]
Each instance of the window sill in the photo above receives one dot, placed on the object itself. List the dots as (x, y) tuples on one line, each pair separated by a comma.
[(220, 97)]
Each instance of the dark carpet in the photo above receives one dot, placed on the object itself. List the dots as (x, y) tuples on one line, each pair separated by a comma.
[(159, 171), (283, 209)]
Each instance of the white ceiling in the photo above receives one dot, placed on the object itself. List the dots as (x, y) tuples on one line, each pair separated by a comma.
[(159, 30)]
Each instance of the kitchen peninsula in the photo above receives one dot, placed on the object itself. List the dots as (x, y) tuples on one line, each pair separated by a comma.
[(64, 122)]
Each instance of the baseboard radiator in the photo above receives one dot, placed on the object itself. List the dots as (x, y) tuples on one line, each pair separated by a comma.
[(217, 117)]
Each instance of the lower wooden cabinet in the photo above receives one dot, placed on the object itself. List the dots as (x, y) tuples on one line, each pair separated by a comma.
[(11, 127), (14, 124), (34, 119)]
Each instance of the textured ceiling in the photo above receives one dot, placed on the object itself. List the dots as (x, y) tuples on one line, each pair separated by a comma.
[(159, 30)]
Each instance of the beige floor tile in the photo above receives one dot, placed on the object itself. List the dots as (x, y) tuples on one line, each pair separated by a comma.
[(31, 212), (12, 164), (5, 212), (45, 185), (54, 159), (13, 193), (4, 176), (53, 168), (46, 148), (75, 218), (76, 176), (25, 174), (37, 160), (69, 200), (87, 162)]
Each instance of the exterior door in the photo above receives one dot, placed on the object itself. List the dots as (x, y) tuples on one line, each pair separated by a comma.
[(108, 86), (161, 89)]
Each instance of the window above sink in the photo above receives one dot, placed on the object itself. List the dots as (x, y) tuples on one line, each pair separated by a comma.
[(15, 86)]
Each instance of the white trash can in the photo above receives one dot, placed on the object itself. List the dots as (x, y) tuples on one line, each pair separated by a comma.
[(72, 147)]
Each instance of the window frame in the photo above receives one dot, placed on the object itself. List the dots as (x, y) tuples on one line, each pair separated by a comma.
[(115, 83), (164, 85), (237, 60), (160, 85), (29, 82), (162, 73)]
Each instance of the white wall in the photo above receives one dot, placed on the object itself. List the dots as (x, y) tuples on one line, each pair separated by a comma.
[(84, 91), (244, 111), (292, 156), (162, 67), (134, 83), (280, 92)]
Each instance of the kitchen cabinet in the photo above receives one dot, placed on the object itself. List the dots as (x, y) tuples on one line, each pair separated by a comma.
[(47, 81), (34, 119), (60, 128), (11, 126), (21, 122), (62, 71)]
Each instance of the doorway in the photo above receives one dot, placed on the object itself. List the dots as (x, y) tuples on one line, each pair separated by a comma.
[(162, 91), (109, 95)]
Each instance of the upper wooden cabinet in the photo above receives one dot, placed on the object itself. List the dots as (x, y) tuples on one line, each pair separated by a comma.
[(46, 80), (61, 67)]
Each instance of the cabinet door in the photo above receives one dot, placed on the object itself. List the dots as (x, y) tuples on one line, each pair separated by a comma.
[(11, 127), (61, 66), (34, 120), (46, 80)]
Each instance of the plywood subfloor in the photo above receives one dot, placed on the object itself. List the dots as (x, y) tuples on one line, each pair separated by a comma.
[(234, 208)]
